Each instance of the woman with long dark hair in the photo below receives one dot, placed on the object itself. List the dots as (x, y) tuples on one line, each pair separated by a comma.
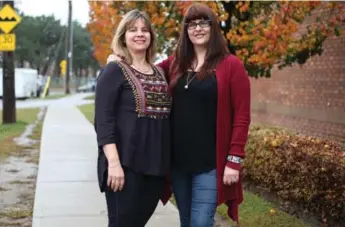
[(210, 119)]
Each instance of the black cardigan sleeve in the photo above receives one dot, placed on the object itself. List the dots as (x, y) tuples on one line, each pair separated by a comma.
[(108, 90)]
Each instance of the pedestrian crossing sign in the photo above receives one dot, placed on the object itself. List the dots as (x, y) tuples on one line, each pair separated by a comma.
[(8, 18)]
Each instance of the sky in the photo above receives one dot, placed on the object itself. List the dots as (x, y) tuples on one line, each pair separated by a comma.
[(58, 8)]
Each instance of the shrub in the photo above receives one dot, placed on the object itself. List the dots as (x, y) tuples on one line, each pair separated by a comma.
[(301, 169)]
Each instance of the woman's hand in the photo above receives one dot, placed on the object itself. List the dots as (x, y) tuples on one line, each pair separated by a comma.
[(116, 176), (113, 57), (230, 176)]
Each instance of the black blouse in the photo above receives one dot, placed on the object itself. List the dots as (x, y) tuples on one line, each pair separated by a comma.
[(194, 124), (132, 110)]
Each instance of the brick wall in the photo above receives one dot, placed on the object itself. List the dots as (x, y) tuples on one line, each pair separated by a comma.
[(308, 99)]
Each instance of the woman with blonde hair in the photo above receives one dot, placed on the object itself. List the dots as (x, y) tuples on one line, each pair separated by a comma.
[(209, 120), (132, 108)]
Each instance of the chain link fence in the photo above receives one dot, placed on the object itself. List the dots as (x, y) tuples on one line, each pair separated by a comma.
[(59, 82)]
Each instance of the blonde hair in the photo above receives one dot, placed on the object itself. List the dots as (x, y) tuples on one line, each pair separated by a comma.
[(118, 44)]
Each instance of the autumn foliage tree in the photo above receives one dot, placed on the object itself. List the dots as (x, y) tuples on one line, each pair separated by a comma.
[(263, 34)]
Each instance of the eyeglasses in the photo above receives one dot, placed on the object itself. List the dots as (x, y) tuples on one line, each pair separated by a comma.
[(202, 24)]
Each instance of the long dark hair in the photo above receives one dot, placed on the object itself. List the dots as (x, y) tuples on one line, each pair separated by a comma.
[(184, 55)]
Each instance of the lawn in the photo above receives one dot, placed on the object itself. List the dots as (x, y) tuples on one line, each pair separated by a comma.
[(91, 97), (18, 205), (9, 131), (254, 211), (88, 110)]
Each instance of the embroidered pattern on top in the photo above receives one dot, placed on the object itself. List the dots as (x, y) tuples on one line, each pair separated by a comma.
[(151, 92)]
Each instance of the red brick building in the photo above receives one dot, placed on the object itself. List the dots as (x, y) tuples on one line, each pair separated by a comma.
[(308, 99)]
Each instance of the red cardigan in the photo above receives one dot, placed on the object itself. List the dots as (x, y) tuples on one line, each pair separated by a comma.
[(233, 119)]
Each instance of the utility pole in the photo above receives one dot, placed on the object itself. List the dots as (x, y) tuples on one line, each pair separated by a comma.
[(69, 39), (8, 96), (57, 48)]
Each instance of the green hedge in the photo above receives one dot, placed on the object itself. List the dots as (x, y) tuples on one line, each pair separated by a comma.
[(304, 170)]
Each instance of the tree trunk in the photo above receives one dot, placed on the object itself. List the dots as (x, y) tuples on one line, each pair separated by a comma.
[(47, 63), (53, 63)]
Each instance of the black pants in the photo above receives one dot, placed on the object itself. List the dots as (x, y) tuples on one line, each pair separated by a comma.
[(134, 205)]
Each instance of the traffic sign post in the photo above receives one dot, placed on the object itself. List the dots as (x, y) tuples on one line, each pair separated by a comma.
[(9, 19)]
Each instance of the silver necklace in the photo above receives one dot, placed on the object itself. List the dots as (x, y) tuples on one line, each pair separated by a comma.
[(141, 70), (188, 82)]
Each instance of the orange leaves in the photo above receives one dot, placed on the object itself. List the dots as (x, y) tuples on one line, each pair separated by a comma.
[(157, 20), (182, 6), (297, 10), (218, 9), (103, 20), (261, 33), (273, 36), (165, 17), (156, 12), (243, 6), (105, 16)]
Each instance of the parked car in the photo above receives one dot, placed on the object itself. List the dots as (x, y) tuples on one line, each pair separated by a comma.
[(90, 86)]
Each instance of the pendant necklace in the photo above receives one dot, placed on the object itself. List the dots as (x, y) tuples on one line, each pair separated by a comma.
[(188, 82)]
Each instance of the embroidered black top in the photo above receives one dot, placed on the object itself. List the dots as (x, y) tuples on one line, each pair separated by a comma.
[(194, 124), (132, 110)]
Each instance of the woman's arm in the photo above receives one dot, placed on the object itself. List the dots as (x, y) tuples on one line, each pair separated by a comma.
[(165, 65), (240, 98), (106, 101)]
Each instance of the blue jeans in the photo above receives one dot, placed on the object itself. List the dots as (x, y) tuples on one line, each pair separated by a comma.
[(196, 197)]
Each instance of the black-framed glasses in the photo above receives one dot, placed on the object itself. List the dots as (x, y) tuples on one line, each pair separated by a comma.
[(202, 24)]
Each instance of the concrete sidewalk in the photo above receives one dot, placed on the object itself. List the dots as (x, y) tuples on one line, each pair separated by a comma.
[(67, 191)]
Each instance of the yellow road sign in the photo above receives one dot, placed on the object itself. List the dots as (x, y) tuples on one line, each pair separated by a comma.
[(63, 64), (7, 42), (8, 18)]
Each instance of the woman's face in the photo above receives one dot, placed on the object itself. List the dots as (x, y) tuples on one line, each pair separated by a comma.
[(199, 32), (138, 37)]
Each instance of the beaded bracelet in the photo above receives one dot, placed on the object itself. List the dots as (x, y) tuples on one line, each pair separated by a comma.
[(234, 159)]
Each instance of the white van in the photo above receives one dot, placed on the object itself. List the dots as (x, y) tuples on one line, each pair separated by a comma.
[(25, 83)]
